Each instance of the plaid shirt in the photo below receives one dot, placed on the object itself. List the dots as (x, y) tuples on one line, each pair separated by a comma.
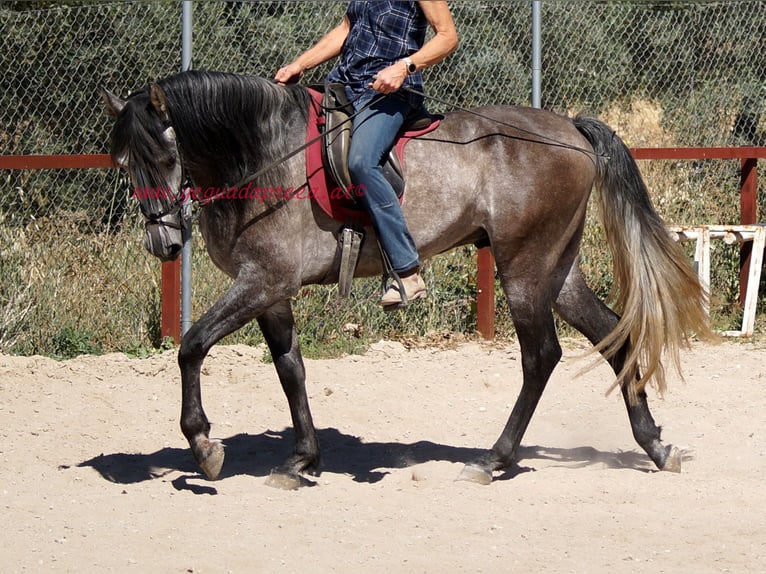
[(382, 33)]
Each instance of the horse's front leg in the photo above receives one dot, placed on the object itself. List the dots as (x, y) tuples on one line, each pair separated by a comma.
[(237, 307), (278, 327)]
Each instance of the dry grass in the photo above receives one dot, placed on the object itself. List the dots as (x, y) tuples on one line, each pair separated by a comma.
[(67, 290), (86, 292)]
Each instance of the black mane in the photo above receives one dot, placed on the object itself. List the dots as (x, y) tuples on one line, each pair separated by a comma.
[(137, 132), (227, 126)]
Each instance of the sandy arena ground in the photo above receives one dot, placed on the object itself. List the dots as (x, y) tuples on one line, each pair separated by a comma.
[(95, 475)]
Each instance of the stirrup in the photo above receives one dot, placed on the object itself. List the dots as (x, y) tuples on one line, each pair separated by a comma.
[(350, 244), (389, 273)]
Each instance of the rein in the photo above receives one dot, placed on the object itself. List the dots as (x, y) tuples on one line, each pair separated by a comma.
[(306, 145), (533, 137), (551, 142), (180, 199)]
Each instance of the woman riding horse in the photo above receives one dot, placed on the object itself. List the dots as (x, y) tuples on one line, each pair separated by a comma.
[(381, 47)]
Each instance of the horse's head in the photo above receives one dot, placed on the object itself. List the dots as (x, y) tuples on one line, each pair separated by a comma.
[(144, 144)]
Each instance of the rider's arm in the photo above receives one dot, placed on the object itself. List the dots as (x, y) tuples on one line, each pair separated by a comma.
[(441, 45), (444, 41), (327, 48)]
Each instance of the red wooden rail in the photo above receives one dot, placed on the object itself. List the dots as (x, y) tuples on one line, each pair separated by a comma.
[(748, 214), (55, 161), (485, 302), (170, 321)]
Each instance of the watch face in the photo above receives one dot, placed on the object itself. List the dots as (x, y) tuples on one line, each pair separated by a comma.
[(412, 68)]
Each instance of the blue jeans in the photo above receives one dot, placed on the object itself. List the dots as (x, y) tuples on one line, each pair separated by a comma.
[(375, 130)]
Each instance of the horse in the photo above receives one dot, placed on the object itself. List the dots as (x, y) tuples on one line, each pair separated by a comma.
[(515, 179)]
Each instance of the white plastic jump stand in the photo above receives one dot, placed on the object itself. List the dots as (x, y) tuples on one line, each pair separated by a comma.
[(702, 234)]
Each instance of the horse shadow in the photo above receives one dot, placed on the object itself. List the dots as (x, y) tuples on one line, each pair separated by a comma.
[(365, 462)]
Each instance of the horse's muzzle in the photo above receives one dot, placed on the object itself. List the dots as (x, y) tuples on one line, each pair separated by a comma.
[(163, 240)]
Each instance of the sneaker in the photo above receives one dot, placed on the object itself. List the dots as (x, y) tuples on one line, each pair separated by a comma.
[(414, 288)]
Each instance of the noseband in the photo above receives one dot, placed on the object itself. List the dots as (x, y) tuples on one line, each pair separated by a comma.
[(159, 218)]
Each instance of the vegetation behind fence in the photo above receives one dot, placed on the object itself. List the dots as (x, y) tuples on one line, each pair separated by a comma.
[(74, 276)]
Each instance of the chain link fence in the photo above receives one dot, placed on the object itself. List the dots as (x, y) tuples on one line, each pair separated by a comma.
[(73, 275)]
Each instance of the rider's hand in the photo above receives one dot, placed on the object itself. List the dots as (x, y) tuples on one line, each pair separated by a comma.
[(390, 79), (289, 74)]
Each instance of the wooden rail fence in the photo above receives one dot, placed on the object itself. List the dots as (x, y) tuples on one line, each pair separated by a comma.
[(171, 271), (748, 210)]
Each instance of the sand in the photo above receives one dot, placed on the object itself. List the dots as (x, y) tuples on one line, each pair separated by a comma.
[(95, 475)]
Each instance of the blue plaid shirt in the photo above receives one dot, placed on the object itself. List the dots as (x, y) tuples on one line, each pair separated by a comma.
[(382, 33)]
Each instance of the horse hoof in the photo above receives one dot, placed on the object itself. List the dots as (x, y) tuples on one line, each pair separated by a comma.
[(287, 480), (212, 457), (673, 462), (472, 473)]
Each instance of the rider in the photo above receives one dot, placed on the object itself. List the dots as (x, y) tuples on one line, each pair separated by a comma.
[(382, 47)]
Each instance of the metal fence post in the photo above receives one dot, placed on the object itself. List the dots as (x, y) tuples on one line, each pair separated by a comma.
[(537, 56), (176, 275), (186, 252)]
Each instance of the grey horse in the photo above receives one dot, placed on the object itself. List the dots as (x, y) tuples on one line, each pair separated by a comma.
[(513, 178)]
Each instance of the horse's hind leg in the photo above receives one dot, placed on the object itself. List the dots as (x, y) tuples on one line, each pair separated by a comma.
[(578, 305), (647, 433), (540, 352)]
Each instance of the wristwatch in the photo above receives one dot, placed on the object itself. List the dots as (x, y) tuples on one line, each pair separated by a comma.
[(411, 67)]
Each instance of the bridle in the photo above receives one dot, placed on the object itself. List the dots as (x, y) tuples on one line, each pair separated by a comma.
[(159, 218), (174, 208)]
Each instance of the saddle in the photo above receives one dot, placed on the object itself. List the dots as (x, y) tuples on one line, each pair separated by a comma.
[(337, 139), (328, 177), (327, 171)]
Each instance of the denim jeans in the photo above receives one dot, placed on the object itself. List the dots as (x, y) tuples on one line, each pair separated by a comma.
[(375, 130)]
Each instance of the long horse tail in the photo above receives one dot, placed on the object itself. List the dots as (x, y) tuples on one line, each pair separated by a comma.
[(659, 297)]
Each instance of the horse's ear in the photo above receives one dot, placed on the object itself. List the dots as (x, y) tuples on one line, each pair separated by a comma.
[(113, 104), (157, 96)]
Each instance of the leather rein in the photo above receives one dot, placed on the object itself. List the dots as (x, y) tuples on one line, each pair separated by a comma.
[(180, 199)]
